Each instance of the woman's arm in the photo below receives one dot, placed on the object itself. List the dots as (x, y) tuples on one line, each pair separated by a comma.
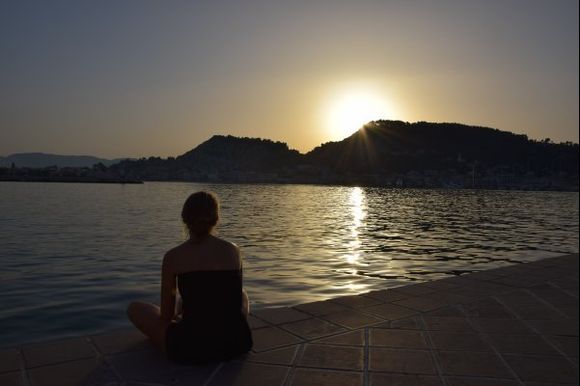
[(168, 289)]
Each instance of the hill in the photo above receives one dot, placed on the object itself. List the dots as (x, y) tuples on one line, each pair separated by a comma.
[(229, 153), (399, 147), (220, 158)]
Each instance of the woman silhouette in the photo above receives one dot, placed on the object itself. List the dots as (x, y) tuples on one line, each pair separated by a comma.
[(211, 323)]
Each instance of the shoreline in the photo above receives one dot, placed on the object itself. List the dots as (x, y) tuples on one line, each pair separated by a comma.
[(508, 325), (351, 185), (73, 180)]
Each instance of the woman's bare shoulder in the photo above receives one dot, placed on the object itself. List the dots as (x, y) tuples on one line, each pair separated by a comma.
[(229, 250), (227, 246), (174, 254)]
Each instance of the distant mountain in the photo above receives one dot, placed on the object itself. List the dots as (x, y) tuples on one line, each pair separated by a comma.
[(41, 160)]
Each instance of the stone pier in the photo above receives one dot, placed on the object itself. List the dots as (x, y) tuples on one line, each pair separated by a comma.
[(516, 325)]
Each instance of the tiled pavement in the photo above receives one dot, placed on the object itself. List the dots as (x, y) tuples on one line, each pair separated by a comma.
[(515, 325)]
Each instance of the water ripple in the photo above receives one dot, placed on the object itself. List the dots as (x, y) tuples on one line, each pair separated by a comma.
[(73, 255)]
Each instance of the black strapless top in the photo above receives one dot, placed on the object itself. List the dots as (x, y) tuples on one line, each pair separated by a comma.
[(213, 327)]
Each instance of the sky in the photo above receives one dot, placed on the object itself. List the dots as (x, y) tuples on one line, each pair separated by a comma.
[(139, 78)]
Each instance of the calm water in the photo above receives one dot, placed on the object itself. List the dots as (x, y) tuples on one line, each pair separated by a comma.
[(73, 255)]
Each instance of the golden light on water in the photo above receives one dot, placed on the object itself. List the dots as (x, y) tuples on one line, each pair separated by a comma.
[(357, 204), (350, 109)]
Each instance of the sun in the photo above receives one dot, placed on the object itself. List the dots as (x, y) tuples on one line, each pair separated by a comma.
[(350, 110)]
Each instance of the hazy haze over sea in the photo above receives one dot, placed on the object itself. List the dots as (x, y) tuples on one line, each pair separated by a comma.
[(73, 255)]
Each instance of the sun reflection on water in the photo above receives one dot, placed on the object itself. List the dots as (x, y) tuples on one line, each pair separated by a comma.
[(358, 213)]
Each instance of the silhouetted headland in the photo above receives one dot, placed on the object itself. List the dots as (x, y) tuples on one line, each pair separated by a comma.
[(382, 153)]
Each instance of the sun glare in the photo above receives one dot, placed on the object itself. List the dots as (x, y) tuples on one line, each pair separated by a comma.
[(351, 110)]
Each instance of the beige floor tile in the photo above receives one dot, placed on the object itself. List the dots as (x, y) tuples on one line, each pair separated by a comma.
[(120, 341), (447, 311), (556, 297), (353, 338), (10, 360), (543, 369), (280, 315), (401, 361), (389, 311), (385, 379), (84, 372), (501, 326), (470, 381), (152, 366), (475, 364), (352, 319), (397, 338), (393, 295), (411, 323), (527, 306), (321, 308), (423, 303), (281, 356), (443, 340), (272, 337), (332, 357), (567, 344), (566, 327), (312, 328), (14, 378), (487, 308), (445, 323), (521, 344), (356, 301), (42, 354), (249, 374), (254, 322), (315, 377), (415, 289)]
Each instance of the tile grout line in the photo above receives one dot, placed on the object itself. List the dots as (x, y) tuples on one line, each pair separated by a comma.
[(319, 318), (213, 373), (562, 289), (101, 356), (541, 335), (366, 357), (553, 287), (517, 315), (538, 332), (295, 362), (486, 339), (431, 348), (549, 343), (546, 302), (25, 378)]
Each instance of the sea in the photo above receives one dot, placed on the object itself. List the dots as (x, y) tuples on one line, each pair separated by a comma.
[(73, 255)]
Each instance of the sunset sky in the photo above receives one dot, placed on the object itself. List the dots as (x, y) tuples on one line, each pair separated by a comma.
[(147, 77)]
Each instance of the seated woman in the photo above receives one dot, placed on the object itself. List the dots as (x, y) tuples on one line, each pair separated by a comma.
[(208, 273)]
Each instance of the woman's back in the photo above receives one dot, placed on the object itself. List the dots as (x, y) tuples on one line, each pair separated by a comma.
[(208, 254), (210, 297), (209, 280), (207, 272)]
